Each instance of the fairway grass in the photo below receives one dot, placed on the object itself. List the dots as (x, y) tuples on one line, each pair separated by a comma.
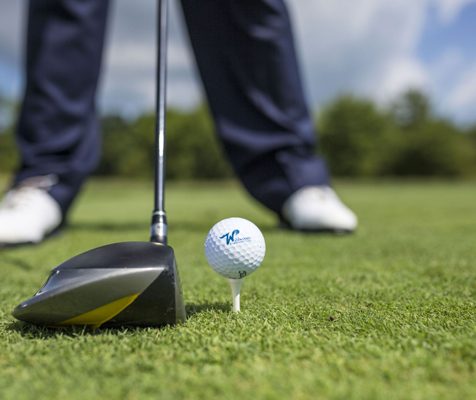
[(389, 312)]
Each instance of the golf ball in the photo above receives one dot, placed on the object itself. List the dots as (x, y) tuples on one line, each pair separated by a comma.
[(235, 247)]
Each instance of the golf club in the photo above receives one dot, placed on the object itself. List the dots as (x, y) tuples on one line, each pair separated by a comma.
[(129, 283)]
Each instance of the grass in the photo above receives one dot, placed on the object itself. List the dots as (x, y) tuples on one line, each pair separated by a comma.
[(387, 313)]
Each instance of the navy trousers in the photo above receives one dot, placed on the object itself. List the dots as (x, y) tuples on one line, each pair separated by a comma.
[(246, 58)]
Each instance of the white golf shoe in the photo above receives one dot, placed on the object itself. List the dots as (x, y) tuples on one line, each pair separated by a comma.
[(27, 215), (318, 208)]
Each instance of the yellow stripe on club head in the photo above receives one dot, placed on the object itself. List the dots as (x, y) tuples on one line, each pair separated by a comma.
[(102, 314)]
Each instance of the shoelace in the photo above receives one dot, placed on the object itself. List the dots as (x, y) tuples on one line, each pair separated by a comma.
[(322, 194)]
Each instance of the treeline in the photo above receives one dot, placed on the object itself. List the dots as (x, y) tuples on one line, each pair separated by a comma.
[(358, 139), (192, 149), (405, 139)]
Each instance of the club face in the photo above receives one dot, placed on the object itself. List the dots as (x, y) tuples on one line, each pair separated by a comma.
[(130, 283)]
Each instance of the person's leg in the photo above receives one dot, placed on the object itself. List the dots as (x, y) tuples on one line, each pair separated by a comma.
[(247, 61), (57, 132)]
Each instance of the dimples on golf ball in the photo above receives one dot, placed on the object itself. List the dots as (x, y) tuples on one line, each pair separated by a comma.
[(235, 247)]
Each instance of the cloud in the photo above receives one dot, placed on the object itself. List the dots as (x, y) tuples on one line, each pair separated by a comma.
[(11, 32), (452, 85), (463, 95), (366, 47), (129, 76), (448, 10), (404, 72)]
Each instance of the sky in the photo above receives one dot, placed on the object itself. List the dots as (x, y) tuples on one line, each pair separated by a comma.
[(371, 48)]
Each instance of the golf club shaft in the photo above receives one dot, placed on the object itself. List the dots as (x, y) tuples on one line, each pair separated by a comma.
[(159, 219)]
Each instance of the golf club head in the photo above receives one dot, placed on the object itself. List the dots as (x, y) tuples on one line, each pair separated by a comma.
[(121, 284)]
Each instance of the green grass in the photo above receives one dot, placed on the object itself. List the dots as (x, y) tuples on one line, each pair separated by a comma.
[(387, 313)]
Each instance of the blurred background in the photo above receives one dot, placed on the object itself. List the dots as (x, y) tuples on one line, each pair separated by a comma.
[(392, 86)]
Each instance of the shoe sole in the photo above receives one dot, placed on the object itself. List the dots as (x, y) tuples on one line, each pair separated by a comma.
[(329, 231)]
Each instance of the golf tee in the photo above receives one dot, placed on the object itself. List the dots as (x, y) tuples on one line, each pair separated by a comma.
[(235, 285)]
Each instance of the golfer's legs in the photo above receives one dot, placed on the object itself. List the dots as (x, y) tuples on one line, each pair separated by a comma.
[(58, 131), (247, 60)]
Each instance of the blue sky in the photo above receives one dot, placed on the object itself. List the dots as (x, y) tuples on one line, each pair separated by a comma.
[(438, 36), (447, 48), (372, 48)]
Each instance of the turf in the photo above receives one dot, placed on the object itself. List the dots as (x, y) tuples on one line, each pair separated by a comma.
[(386, 313)]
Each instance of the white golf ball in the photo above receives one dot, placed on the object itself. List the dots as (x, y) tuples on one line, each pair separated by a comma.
[(235, 247)]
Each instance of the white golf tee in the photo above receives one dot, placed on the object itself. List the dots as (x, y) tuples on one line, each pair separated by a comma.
[(235, 285)]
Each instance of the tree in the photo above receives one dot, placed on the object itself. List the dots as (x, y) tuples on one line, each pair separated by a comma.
[(8, 152), (429, 146), (436, 148), (356, 137), (192, 149), (412, 109)]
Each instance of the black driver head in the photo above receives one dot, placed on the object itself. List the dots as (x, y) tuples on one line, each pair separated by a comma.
[(121, 284)]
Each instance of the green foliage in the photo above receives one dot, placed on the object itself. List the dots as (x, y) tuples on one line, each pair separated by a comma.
[(8, 152), (192, 150), (435, 149), (412, 109), (429, 146), (121, 148), (358, 139)]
